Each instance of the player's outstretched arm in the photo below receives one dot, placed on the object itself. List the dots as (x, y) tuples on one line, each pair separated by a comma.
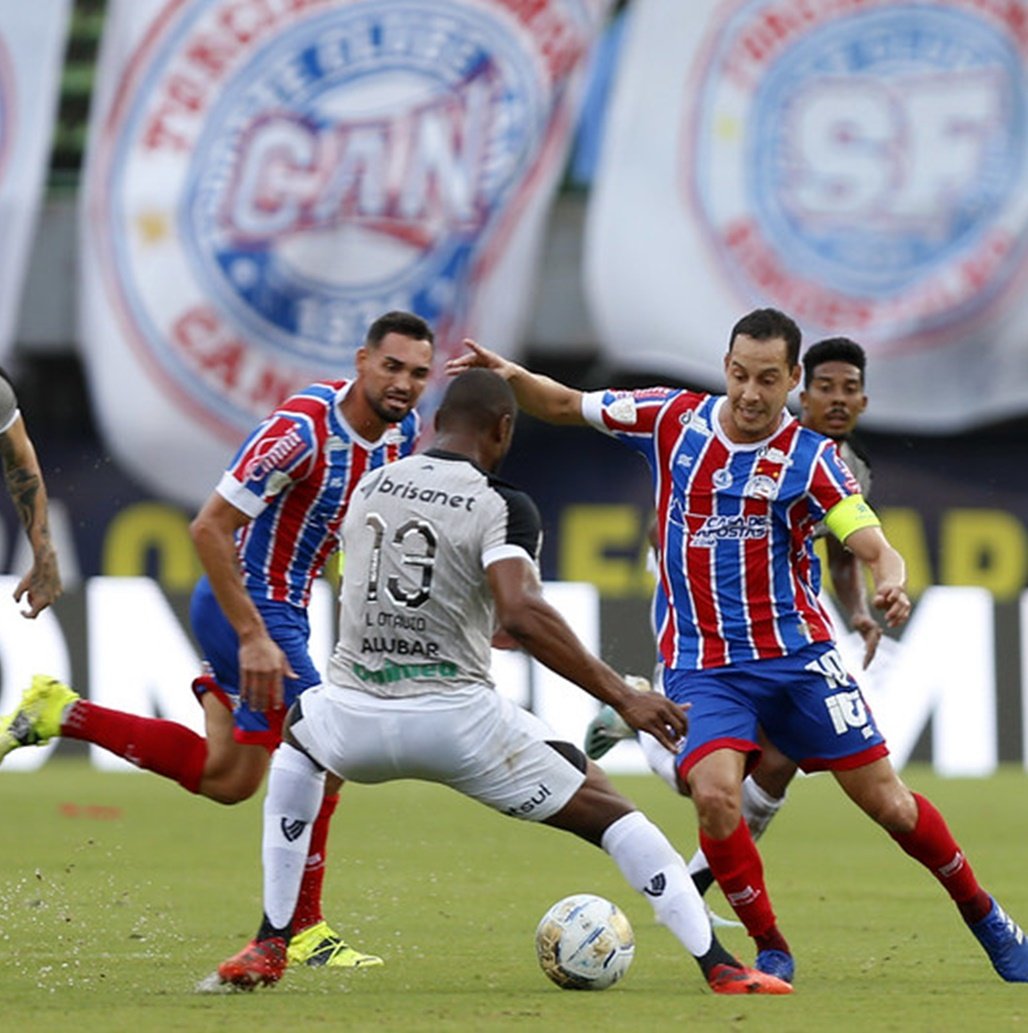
[(539, 396), (530, 620), (24, 479)]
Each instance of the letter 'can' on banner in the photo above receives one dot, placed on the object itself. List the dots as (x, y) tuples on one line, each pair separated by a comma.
[(265, 177)]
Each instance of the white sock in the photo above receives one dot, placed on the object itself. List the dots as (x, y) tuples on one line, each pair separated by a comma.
[(698, 863), (660, 759), (758, 808), (653, 867), (295, 788)]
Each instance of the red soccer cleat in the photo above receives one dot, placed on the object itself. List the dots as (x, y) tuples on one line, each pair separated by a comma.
[(727, 979), (259, 963)]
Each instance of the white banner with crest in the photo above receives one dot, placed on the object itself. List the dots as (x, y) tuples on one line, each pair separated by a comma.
[(860, 165), (32, 42), (266, 177)]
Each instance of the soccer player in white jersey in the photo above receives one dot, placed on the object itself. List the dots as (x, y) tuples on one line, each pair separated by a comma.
[(739, 489), (439, 553), (263, 536), (24, 480)]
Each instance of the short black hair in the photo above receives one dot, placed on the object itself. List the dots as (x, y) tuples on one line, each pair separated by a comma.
[(406, 324), (475, 399), (833, 349), (764, 324)]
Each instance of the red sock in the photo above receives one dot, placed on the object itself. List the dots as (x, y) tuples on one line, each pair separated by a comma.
[(740, 874), (308, 905), (163, 747), (932, 843)]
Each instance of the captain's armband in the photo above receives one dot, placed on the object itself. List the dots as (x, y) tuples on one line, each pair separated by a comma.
[(850, 515)]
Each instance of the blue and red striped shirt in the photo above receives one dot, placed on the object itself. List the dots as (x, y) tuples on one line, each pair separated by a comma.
[(735, 525), (294, 476)]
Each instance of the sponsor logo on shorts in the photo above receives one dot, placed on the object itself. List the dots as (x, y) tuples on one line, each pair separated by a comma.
[(539, 797), (847, 711)]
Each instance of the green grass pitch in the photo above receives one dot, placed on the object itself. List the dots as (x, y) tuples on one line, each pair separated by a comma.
[(118, 892)]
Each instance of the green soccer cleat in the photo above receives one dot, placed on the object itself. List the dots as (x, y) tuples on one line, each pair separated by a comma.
[(37, 718), (319, 945), (608, 727)]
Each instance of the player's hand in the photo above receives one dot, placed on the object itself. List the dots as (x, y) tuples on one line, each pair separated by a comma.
[(894, 602), (654, 713), (40, 586), (478, 357), (870, 631), (262, 669)]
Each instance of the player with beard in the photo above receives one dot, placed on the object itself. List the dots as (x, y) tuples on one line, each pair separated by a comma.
[(441, 551), (263, 536)]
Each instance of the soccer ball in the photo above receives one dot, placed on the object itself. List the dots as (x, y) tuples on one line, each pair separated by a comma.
[(584, 943)]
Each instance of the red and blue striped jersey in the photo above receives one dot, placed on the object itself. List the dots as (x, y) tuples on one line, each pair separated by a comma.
[(735, 525), (294, 476)]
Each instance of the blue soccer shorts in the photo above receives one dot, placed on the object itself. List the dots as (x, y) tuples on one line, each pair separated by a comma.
[(807, 703), (289, 628)]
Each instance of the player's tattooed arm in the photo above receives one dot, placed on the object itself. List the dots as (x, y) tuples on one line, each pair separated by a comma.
[(24, 480)]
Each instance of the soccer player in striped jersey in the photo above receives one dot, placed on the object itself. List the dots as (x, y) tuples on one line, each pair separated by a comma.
[(739, 488), (439, 553), (263, 536), (831, 402)]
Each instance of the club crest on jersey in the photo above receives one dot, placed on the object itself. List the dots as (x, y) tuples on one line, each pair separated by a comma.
[(889, 200), (297, 168), (761, 486)]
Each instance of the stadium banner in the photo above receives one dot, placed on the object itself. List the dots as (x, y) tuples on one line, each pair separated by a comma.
[(859, 164), (32, 42), (265, 177)]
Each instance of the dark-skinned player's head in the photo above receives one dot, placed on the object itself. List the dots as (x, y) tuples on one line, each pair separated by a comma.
[(477, 413)]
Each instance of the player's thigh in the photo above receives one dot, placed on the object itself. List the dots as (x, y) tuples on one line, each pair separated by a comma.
[(817, 714), (722, 714), (513, 762)]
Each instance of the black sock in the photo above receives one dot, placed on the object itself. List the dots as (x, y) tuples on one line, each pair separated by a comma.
[(703, 880), (267, 930), (717, 955)]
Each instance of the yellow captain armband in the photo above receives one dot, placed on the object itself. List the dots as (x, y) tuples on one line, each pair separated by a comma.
[(850, 515)]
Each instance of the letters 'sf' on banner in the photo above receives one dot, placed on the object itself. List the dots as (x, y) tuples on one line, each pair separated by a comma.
[(861, 166), (265, 177)]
